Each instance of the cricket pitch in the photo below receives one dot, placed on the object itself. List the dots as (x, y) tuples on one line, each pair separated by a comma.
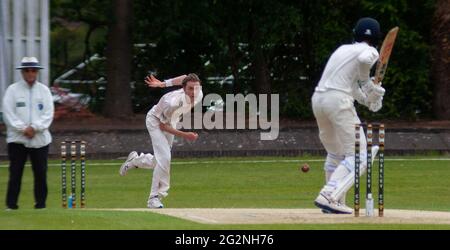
[(293, 216)]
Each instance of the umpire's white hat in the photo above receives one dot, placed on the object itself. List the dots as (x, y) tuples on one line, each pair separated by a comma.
[(29, 62)]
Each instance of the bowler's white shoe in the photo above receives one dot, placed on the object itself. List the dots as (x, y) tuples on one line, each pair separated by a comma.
[(155, 202), (325, 202), (126, 165)]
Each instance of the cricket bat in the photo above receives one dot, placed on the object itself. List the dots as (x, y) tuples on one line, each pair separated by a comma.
[(385, 53)]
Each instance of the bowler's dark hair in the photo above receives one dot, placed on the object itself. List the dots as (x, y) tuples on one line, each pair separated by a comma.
[(192, 77)]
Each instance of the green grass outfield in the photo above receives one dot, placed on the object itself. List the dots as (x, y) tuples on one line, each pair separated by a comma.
[(417, 183)]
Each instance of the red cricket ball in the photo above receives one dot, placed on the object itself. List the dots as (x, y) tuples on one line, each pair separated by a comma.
[(305, 168)]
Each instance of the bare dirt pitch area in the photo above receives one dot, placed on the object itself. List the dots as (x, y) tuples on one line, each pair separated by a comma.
[(294, 216)]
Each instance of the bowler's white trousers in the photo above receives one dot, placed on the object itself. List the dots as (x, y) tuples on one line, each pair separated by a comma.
[(160, 161)]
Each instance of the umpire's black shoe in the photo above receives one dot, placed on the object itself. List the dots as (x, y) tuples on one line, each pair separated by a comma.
[(9, 208)]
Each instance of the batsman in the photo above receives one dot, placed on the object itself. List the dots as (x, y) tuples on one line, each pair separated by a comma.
[(346, 78)]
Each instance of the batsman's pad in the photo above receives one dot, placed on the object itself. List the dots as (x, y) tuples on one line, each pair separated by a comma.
[(346, 178)]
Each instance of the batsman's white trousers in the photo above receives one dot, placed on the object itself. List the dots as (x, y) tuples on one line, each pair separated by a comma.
[(336, 118)]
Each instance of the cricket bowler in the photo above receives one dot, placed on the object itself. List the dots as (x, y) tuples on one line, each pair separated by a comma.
[(161, 124)]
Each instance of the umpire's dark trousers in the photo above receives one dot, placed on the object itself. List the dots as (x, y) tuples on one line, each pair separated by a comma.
[(18, 154)]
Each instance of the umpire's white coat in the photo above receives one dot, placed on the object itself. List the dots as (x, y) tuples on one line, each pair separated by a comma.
[(25, 106)]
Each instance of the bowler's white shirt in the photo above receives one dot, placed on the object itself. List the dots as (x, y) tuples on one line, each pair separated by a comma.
[(25, 106), (172, 106), (347, 65)]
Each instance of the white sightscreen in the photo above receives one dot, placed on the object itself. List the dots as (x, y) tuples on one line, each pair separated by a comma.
[(24, 31)]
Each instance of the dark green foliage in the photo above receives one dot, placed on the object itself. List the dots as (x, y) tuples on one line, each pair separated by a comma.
[(220, 39)]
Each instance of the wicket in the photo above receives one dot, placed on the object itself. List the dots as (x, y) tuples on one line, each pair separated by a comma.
[(73, 166), (369, 198)]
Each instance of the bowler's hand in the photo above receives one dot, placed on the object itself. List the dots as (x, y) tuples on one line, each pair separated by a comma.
[(152, 82), (191, 136), (29, 132), (164, 127)]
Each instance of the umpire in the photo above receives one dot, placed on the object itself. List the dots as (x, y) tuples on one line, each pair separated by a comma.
[(28, 113)]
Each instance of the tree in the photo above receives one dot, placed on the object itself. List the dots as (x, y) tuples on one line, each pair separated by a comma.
[(77, 32), (441, 59), (119, 56), (278, 46)]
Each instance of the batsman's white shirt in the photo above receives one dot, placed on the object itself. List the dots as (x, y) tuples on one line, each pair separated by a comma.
[(349, 64), (169, 110), (333, 103)]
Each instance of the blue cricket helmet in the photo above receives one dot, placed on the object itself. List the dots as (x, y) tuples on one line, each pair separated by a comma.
[(367, 29)]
